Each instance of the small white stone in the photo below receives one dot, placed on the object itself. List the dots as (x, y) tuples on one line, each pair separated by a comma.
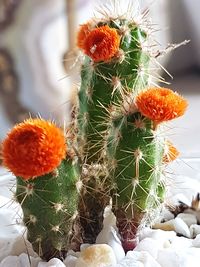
[(194, 230), (189, 219), (24, 260), (10, 261), (196, 241), (109, 236), (150, 245), (181, 227), (159, 235), (179, 258), (70, 261), (168, 258), (22, 245), (20, 261), (52, 263), (180, 243), (138, 259), (99, 255), (166, 214)]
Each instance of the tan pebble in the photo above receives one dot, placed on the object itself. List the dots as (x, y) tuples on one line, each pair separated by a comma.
[(99, 255), (166, 226)]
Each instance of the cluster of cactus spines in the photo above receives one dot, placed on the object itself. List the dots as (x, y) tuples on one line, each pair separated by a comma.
[(46, 188), (121, 155)]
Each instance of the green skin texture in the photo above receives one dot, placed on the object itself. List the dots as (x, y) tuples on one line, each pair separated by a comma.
[(46, 191), (136, 175), (97, 96)]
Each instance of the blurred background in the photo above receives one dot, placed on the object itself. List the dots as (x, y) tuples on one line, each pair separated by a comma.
[(37, 42)]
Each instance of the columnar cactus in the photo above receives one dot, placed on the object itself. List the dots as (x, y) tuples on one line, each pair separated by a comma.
[(115, 67), (35, 151)]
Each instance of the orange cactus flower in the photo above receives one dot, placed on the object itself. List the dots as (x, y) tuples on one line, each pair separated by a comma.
[(83, 32), (33, 148), (170, 153), (161, 104), (102, 43)]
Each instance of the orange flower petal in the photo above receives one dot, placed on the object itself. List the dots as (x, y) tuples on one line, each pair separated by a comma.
[(161, 104), (170, 153), (33, 148), (0, 152), (102, 43), (83, 32)]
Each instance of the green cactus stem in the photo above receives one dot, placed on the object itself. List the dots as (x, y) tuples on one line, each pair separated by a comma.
[(47, 176), (49, 205), (136, 156), (104, 85)]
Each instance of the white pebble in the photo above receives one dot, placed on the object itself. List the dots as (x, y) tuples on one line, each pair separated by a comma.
[(10, 261), (21, 245), (194, 230), (113, 241), (24, 259), (168, 258), (99, 255), (189, 219), (150, 245), (138, 259), (70, 261), (52, 263), (180, 243), (179, 258), (181, 227), (166, 214), (20, 261), (196, 241), (160, 236)]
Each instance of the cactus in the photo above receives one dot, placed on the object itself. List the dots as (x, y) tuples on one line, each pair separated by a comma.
[(116, 133), (121, 153), (35, 151), (137, 156), (115, 70)]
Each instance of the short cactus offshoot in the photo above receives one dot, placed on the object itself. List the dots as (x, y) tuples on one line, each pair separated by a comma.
[(35, 151)]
